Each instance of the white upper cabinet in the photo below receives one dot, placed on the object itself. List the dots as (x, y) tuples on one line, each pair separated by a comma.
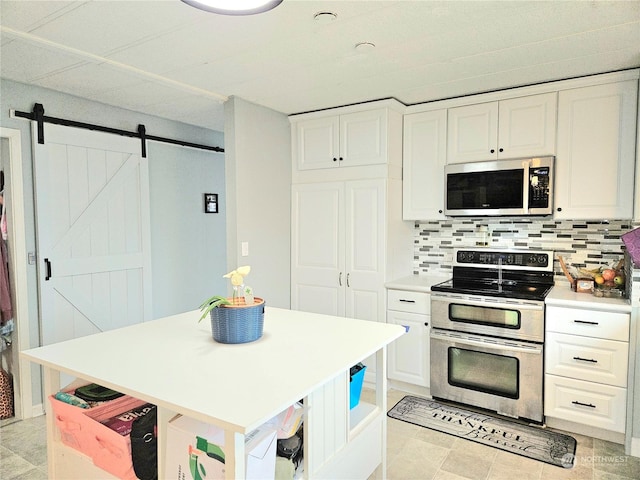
[(513, 128), (351, 139), (424, 151), (596, 151), (472, 133)]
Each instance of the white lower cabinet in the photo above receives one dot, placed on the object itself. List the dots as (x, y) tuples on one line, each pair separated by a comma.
[(596, 405), (586, 364), (409, 355), (589, 359)]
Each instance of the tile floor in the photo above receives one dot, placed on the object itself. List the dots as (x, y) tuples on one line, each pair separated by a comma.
[(414, 453), (23, 449)]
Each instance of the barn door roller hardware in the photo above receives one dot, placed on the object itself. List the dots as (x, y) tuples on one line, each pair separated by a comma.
[(38, 116)]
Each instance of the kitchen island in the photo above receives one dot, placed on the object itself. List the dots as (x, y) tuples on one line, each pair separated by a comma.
[(175, 364)]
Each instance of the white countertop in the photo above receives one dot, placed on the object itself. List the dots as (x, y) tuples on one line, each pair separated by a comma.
[(174, 362), (416, 283), (562, 296)]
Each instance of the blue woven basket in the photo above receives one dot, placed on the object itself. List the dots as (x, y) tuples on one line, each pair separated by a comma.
[(238, 323)]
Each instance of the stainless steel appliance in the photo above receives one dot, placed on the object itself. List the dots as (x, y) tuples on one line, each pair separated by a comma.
[(503, 187), (487, 331)]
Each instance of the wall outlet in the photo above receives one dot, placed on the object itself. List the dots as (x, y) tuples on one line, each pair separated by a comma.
[(245, 249)]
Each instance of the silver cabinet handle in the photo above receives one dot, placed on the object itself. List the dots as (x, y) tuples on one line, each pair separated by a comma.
[(340, 279), (348, 280)]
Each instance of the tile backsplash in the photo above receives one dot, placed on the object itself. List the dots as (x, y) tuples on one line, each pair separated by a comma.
[(582, 243)]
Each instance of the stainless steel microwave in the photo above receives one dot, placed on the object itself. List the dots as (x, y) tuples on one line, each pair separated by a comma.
[(515, 187)]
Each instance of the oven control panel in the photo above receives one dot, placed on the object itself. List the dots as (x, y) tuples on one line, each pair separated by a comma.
[(516, 259)]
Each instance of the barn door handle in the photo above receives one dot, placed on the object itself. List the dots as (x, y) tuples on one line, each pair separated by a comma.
[(47, 266)]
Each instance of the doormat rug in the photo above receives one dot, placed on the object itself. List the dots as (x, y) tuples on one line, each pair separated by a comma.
[(536, 443)]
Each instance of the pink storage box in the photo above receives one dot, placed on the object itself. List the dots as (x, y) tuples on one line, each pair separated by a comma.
[(631, 241), (81, 429)]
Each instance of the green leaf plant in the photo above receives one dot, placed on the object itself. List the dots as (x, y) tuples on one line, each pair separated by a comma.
[(211, 303)]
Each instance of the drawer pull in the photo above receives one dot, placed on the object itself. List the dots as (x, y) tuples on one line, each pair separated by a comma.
[(591, 360), (426, 324), (590, 405), (407, 301), (585, 322)]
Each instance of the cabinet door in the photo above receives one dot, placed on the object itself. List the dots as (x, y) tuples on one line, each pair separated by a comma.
[(363, 138), (409, 355), (365, 219), (472, 133), (527, 126), (317, 143), (596, 151), (424, 147), (317, 248)]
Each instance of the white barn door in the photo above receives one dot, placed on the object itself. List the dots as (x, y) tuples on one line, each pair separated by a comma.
[(92, 219)]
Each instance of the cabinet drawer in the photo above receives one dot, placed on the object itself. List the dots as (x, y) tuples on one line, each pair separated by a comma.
[(407, 301), (592, 404), (586, 358), (589, 323)]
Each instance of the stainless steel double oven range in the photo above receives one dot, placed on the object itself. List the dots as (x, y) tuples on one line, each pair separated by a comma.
[(487, 331)]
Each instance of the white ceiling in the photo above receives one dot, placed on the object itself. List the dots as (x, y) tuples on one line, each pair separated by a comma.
[(165, 58)]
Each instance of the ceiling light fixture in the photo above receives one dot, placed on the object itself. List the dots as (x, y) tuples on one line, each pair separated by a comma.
[(234, 7)]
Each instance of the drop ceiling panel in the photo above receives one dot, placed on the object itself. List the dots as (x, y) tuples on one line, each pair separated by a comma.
[(105, 26), (88, 80), (26, 16), (25, 62)]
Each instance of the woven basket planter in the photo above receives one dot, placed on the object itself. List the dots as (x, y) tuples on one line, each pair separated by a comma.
[(238, 322)]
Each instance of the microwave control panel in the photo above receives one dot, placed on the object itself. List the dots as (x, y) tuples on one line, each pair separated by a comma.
[(539, 187)]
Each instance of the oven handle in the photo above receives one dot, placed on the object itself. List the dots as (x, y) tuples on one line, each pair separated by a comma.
[(537, 350), (486, 303)]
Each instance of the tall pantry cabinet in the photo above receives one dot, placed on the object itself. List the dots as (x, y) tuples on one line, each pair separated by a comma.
[(347, 232)]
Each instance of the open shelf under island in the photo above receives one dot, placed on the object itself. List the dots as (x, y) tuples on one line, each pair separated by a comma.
[(175, 364)]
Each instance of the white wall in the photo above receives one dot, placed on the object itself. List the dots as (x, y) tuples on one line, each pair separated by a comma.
[(258, 175)]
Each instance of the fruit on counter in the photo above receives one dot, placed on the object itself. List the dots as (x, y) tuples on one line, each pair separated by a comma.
[(608, 274), (618, 280), (589, 272), (609, 283), (599, 279)]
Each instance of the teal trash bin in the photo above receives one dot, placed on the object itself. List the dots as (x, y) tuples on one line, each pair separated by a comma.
[(356, 378)]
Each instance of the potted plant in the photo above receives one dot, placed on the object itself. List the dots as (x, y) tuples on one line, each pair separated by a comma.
[(239, 319)]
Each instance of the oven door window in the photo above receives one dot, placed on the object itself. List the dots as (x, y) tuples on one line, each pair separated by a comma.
[(484, 372), (494, 317)]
